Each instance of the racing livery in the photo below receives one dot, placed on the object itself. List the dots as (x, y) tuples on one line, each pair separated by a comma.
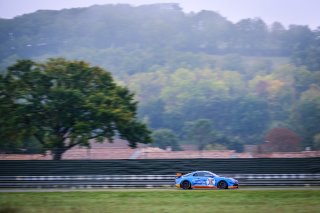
[(204, 179)]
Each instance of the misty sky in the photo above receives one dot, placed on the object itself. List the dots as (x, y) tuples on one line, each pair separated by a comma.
[(302, 12)]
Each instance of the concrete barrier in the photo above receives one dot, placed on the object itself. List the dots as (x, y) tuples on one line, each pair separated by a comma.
[(155, 172)]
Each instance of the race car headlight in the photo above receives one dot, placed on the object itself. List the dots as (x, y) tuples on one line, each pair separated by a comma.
[(233, 180)]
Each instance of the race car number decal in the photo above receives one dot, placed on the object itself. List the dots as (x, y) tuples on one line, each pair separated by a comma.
[(210, 181)]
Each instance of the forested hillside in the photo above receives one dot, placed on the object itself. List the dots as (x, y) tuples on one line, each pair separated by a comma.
[(199, 78)]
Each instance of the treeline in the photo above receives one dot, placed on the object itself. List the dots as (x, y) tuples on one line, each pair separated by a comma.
[(230, 107), (199, 78), (126, 39)]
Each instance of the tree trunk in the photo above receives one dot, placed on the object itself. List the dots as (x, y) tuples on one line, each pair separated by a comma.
[(58, 152)]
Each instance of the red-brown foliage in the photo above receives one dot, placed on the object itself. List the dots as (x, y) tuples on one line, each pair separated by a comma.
[(281, 140)]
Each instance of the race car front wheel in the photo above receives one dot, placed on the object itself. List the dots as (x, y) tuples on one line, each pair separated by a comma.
[(222, 185), (185, 185)]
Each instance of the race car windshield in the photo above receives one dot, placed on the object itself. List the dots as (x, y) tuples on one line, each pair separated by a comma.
[(210, 174), (214, 174), (186, 175)]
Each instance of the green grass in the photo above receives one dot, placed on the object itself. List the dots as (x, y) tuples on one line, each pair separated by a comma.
[(195, 201)]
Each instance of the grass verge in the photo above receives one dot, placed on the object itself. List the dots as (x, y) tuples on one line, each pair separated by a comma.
[(162, 201)]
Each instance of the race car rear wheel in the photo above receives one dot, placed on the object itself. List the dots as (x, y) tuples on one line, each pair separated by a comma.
[(222, 185), (185, 185)]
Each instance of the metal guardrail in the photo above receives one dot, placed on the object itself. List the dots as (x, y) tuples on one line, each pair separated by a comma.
[(148, 181)]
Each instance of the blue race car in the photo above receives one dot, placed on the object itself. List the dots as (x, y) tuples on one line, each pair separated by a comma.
[(204, 179)]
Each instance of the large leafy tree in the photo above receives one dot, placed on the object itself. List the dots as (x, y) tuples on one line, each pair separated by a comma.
[(64, 104)]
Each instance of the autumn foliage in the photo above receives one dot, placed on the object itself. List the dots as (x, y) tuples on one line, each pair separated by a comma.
[(280, 140)]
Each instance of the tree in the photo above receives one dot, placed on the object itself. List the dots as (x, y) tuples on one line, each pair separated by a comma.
[(66, 103), (281, 140), (304, 46), (307, 115), (251, 36), (164, 138), (316, 142), (153, 113), (200, 132), (277, 37), (249, 117)]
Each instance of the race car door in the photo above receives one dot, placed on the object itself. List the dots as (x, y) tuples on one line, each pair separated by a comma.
[(203, 180)]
